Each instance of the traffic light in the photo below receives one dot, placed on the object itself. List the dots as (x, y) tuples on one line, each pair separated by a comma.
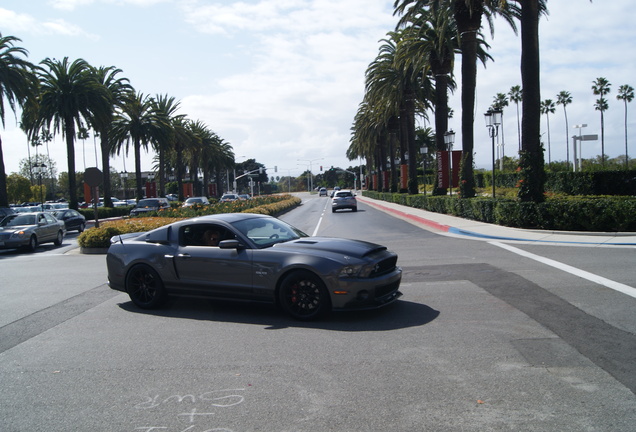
[(320, 167)]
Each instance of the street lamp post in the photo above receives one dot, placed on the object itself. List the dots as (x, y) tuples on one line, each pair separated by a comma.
[(311, 176), (493, 120), (449, 140), (124, 177), (40, 168), (577, 158)]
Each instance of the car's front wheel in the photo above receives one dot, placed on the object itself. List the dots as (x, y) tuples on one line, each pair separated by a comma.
[(59, 239), (81, 227), (33, 243), (144, 286), (303, 296)]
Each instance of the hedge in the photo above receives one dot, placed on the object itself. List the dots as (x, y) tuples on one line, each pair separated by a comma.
[(588, 213), (100, 237)]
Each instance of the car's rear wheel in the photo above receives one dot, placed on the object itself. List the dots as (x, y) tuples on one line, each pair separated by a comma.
[(303, 296), (59, 239), (144, 286)]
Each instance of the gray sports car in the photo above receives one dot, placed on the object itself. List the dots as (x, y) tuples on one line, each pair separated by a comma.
[(252, 257)]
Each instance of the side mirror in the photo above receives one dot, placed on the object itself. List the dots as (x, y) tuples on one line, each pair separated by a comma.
[(229, 244)]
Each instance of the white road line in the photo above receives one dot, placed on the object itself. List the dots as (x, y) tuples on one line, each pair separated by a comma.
[(320, 220), (625, 289)]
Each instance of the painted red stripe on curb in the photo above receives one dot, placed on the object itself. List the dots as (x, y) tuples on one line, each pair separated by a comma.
[(418, 219)]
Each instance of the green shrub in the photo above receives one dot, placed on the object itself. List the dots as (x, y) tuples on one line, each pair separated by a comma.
[(561, 213)]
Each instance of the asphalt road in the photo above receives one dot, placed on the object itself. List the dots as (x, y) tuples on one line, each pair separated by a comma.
[(482, 340)]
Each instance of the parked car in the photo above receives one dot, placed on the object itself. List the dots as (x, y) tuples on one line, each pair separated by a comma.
[(27, 209), (54, 206), (30, 230), (245, 196), (257, 258), (73, 220), (6, 211), (229, 197), (149, 205), (344, 199), (322, 192), (195, 201)]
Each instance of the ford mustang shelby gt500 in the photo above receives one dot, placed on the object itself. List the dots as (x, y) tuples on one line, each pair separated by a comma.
[(252, 257)]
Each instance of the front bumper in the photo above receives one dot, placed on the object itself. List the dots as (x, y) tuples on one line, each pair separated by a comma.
[(360, 294)]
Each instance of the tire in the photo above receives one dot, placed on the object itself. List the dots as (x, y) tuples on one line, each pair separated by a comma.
[(33, 243), (59, 239), (333, 210), (355, 209), (145, 287), (303, 296), (81, 227)]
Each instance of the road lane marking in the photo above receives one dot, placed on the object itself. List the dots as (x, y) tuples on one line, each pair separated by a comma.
[(320, 220), (625, 289)]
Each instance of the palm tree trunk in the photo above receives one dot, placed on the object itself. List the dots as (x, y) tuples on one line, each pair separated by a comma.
[(4, 197), (140, 194), (469, 82), (70, 156), (532, 159), (105, 149)]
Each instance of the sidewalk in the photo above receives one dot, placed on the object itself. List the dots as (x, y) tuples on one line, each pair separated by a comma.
[(483, 231)]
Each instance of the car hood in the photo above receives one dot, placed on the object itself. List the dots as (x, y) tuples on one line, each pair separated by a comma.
[(353, 248), (17, 228)]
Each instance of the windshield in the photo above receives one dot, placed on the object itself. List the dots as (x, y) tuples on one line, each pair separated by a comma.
[(17, 220), (148, 203), (265, 232)]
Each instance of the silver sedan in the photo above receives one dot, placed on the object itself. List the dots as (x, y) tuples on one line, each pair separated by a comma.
[(251, 257), (30, 230)]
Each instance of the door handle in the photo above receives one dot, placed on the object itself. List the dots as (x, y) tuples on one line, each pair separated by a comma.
[(184, 256)]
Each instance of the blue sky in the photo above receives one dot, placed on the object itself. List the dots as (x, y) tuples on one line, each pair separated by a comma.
[(281, 80)]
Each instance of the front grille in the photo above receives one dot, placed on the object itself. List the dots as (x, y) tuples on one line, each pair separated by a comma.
[(386, 289), (384, 267)]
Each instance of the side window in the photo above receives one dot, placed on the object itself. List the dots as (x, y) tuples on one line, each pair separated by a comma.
[(204, 235)]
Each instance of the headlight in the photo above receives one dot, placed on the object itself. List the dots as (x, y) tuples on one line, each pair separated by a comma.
[(350, 271)]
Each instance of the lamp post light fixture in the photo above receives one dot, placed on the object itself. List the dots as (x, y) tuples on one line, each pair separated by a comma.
[(493, 120), (449, 140)]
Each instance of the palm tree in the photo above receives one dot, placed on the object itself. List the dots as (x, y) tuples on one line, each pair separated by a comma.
[(118, 89), (531, 158), (139, 123), (433, 40), (166, 107), (601, 87), (515, 96), (565, 98), (468, 15), (626, 94), (548, 107), (69, 97), (17, 84)]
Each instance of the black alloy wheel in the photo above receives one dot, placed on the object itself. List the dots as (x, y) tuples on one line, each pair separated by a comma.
[(144, 286), (304, 296)]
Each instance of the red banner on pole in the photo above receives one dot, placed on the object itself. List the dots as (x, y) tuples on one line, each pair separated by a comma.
[(448, 168)]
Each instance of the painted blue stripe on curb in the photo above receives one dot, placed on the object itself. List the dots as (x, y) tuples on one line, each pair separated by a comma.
[(459, 231)]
